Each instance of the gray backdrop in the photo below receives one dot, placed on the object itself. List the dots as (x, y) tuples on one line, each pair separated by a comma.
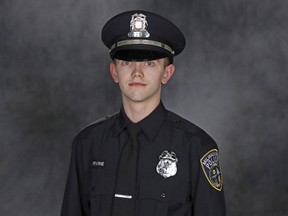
[(231, 80)]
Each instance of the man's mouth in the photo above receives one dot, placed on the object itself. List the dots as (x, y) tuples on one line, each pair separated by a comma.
[(137, 84)]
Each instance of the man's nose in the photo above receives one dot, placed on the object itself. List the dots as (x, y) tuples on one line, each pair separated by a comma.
[(137, 71)]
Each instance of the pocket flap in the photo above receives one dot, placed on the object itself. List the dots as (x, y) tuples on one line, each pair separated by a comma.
[(164, 189)]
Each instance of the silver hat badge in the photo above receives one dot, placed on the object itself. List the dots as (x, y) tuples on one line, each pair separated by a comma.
[(167, 164), (138, 25)]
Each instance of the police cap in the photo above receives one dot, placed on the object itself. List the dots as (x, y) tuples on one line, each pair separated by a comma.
[(142, 35)]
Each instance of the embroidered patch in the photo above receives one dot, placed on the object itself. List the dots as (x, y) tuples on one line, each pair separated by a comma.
[(211, 168), (167, 164)]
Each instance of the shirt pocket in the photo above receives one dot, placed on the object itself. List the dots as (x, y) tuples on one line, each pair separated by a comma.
[(101, 192), (157, 194)]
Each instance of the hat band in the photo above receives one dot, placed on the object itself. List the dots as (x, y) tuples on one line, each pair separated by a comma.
[(142, 42)]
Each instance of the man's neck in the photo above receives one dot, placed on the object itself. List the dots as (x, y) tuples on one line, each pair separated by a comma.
[(137, 111)]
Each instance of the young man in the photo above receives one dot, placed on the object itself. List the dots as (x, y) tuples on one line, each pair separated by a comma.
[(144, 160)]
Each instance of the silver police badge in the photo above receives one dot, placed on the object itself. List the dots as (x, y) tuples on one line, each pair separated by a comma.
[(211, 168), (167, 164), (138, 25)]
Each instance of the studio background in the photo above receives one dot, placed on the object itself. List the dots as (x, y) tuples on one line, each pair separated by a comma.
[(231, 80)]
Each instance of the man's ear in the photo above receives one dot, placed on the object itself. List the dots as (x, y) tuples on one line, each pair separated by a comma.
[(169, 71), (113, 72)]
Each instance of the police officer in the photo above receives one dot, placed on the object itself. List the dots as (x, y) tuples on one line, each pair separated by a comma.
[(164, 165)]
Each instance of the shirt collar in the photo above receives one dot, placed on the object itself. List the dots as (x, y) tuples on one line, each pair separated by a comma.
[(149, 125)]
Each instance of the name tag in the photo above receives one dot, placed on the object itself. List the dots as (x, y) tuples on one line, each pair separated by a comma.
[(97, 163)]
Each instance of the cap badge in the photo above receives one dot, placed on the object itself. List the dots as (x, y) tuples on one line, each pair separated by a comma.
[(138, 25), (167, 164)]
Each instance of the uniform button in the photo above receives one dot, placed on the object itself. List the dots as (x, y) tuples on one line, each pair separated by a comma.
[(163, 195)]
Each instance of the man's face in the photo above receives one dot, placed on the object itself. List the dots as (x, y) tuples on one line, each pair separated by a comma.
[(141, 81)]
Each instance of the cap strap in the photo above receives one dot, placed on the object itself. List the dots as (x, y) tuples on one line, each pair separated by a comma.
[(142, 41)]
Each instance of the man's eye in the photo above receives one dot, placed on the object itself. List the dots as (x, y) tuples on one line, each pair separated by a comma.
[(125, 63), (149, 63)]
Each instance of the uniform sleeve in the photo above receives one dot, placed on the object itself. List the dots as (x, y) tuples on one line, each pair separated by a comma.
[(207, 184), (74, 201)]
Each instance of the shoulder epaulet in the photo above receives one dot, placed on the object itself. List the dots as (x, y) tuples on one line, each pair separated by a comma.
[(180, 122), (188, 126), (103, 119)]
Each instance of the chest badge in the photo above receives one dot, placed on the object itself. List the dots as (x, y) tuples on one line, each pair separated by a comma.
[(167, 164)]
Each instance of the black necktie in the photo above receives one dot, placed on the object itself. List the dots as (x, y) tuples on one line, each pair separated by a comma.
[(124, 201)]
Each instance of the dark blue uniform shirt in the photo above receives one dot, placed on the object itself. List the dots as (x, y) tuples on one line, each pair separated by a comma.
[(195, 189)]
